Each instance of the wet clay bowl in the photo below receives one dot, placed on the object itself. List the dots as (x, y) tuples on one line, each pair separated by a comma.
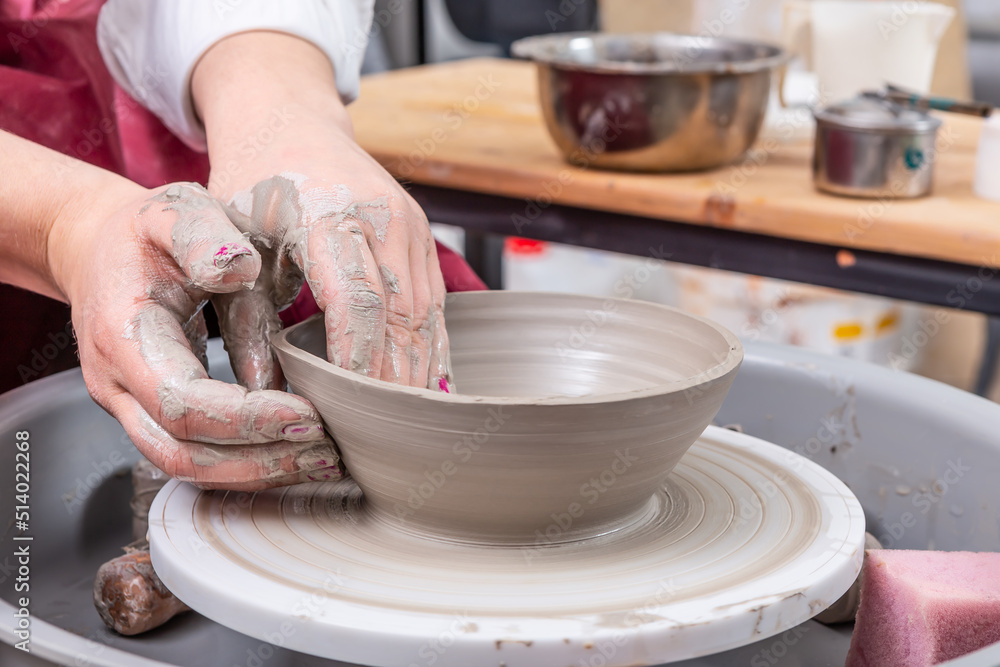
[(569, 414)]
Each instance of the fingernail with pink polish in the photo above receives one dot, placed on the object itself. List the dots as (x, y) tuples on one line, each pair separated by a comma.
[(225, 255), (302, 431), (331, 474)]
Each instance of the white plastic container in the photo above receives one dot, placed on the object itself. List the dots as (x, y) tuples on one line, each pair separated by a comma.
[(987, 180), (848, 325)]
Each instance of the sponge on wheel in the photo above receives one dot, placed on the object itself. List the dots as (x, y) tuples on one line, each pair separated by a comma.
[(925, 607)]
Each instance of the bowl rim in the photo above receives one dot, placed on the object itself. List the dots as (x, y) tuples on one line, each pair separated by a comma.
[(734, 357), (535, 49)]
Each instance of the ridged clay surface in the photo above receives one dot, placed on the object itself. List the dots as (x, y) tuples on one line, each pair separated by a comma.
[(570, 412), (744, 540)]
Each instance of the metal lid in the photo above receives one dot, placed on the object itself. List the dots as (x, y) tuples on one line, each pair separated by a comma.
[(875, 114)]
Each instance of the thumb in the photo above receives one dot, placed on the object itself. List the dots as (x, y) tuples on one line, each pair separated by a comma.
[(207, 247)]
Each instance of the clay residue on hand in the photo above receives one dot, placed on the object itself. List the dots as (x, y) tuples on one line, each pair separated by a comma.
[(159, 337), (439, 374), (375, 212), (307, 230), (277, 215), (206, 258), (269, 215), (298, 459), (185, 388), (389, 279)]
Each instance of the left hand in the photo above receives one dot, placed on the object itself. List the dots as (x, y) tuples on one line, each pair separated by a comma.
[(137, 266)]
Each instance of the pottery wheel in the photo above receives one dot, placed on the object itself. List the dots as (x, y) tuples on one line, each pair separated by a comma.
[(745, 540)]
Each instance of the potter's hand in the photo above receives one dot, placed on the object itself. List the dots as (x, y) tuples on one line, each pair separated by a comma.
[(137, 266), (318, 208)]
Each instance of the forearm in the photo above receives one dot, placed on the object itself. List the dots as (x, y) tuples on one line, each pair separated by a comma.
[(41, 191), (253, 88)]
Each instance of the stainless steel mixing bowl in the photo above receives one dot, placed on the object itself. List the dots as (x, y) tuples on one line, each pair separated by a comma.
[(651, 102)]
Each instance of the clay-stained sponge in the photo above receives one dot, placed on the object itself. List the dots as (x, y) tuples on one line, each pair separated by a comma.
[(925, 607)]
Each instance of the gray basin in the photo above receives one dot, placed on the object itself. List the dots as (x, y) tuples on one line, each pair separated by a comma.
[(892, 437)]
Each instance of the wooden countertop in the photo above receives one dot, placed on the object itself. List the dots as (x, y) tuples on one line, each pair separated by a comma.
[(475, 125)]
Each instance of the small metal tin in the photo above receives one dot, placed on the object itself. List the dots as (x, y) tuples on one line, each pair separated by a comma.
[(875, 148)]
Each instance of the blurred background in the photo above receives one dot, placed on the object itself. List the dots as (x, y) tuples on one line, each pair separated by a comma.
[(878, 330)]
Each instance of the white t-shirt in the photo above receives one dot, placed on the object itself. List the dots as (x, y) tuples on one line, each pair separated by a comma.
[(152, 46)]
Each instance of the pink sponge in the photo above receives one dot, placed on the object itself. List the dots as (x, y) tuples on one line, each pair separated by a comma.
[(924, 607)]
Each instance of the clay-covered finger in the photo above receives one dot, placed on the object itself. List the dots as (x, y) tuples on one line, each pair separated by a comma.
[(303, 477), (422, 327), (207, 247), (397, 287), (439, 371), (234, 467), (347, 285), (197, 334), (247, 319), (160, 370)]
